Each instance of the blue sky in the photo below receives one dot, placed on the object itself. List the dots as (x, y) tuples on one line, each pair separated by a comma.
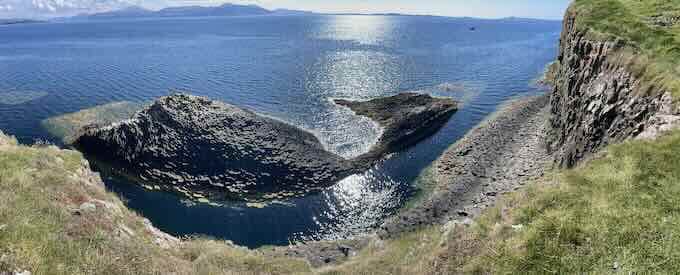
[(551, 9)]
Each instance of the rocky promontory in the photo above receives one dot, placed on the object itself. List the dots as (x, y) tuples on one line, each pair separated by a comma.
[(406, 119), (196, 145), (202, 147)]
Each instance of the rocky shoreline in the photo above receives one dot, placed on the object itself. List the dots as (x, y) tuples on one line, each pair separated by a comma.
[(596, 100), (499, 156)]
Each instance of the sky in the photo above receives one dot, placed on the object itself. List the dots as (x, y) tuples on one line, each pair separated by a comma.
[(546, 9)]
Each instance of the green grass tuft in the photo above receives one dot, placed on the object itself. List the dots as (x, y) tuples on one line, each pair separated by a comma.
[(621, 210)]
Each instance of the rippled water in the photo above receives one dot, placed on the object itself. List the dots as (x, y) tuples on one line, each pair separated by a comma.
[(286, 67)]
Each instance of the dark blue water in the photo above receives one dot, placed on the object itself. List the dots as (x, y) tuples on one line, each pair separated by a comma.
[(287, 67)]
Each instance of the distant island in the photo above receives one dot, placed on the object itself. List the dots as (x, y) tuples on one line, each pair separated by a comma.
[(227, 9), (220, 11), (188, 11), (201, 11), (18, 21)]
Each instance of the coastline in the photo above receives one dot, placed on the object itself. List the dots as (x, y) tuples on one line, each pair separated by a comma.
[(498, 156), (581, 178)]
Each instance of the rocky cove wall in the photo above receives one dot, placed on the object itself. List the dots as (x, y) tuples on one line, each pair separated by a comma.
[(598, 100)]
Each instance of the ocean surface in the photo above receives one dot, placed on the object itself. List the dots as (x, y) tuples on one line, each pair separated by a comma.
[(288, 67)]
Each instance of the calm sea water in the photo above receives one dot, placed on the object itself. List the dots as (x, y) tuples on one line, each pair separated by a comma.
[(287, 67)]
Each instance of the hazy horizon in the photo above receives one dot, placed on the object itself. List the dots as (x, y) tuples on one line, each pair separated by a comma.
[(539, 9)]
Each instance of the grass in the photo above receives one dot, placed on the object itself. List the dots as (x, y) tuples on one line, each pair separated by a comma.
[(43, 230), (41, 234), (410, 253), (650, 51), (617, 213), (620, 212)]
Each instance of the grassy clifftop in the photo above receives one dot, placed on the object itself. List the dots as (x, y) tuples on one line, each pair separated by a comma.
[(617, 213), (651, 25), (650, 29), (57, 218), (620, 212)]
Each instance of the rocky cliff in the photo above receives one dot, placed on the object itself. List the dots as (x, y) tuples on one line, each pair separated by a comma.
[(598, 98)]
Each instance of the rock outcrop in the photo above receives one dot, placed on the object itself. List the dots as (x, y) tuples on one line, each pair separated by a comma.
[(406, 119), (202, 145), (203, 148), (598, 100)]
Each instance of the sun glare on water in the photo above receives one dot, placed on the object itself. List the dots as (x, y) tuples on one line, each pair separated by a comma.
[(368, 30)]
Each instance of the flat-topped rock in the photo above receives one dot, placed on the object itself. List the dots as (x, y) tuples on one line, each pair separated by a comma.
[(199, 147)]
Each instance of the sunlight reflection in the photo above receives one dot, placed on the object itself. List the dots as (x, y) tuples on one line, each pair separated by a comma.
[(345, 133), (354, 75), (369, 30), (359, 202)]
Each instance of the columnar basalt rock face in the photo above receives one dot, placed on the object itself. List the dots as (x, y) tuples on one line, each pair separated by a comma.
[(597, 100), (406, 119), (201, 147), (200, 144)]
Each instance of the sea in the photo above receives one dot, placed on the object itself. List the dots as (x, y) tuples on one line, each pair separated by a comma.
[(288, 67)]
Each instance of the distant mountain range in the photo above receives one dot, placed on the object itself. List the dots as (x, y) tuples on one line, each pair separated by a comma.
[(18, 21), (200, 11), (190, 11)]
